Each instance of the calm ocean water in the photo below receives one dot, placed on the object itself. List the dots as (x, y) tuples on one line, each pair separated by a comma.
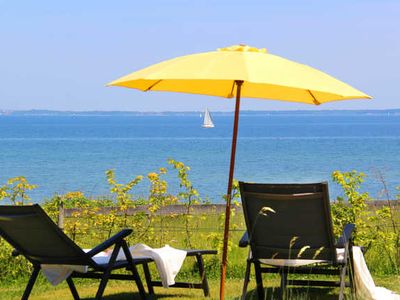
[(66, 153)]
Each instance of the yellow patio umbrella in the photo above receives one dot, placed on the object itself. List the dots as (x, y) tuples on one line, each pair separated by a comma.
[(240, 71)]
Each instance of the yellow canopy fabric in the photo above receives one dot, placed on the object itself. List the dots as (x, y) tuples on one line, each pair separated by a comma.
[(264, 76)]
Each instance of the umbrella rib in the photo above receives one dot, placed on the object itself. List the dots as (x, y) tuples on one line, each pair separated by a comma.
[(230, 95), (315, 101), (154, 84)]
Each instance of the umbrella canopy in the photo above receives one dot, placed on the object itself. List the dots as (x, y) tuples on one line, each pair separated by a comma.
[(264, 76), (238, 71)]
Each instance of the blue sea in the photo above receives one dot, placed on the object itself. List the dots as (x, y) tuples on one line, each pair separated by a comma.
[(69, 153)]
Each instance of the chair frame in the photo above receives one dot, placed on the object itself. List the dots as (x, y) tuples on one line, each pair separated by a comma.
[(332, 267), (97, 271), (103, 271)]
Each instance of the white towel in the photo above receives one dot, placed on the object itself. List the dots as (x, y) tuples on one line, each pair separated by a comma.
[(365, 286), (168, 261)]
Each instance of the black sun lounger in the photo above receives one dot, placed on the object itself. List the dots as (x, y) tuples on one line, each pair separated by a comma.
[(34, 235), (289, 230)]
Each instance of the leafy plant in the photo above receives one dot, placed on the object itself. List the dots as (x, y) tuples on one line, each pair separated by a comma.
[(121, 192), (388, 227), (15, 190), (218, 238), (375, 228), (189, 195), (158, 198), (352, 206)]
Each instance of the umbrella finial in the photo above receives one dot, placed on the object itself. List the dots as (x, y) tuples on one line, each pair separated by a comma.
[(243, 48)]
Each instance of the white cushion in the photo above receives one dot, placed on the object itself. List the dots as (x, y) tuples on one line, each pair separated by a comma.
[(300, 262)]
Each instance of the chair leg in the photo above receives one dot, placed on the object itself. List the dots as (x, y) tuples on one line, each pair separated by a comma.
[(351, 270), (107, 272), (246, 279), (31, 282), (260, 288), (147, 275), (342, 282), (283, 283), (134, 270), (343, 269), (204, 282), (103, 284), (138, 281), (72, 288)]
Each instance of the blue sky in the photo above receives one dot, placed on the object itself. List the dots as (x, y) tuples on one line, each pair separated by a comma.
[(59, 54)]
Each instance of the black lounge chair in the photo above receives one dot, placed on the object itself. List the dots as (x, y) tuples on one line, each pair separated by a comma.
[(290, 225), (33, 234)]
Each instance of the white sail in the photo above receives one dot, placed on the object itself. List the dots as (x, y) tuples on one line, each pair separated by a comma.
[(207, 123)]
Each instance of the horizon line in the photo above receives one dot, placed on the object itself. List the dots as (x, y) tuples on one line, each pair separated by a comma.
[(10, 111)]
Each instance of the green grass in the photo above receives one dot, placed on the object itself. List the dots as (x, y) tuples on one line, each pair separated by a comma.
[(125, 290)]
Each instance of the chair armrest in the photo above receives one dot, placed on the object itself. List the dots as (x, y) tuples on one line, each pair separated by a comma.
[(111, 241), (346, 236), (244, 241)]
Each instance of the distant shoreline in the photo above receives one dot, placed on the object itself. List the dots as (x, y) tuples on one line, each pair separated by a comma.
[(375, 112)]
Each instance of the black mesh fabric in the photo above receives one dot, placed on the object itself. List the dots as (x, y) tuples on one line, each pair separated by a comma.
[(288, 221), (35, 235)]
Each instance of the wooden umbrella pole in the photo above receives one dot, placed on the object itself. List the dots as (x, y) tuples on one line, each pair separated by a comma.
[(229, 191)]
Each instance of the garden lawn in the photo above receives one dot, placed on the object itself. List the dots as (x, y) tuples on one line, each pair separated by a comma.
[(124, 290)]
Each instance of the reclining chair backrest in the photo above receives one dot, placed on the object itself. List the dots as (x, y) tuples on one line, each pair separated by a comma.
[(32, 233), (300, 226)]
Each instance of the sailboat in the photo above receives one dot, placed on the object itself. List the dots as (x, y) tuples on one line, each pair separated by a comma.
[(207, 123)]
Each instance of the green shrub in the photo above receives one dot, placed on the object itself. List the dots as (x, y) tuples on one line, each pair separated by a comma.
[(90, 223), (376, 229)]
